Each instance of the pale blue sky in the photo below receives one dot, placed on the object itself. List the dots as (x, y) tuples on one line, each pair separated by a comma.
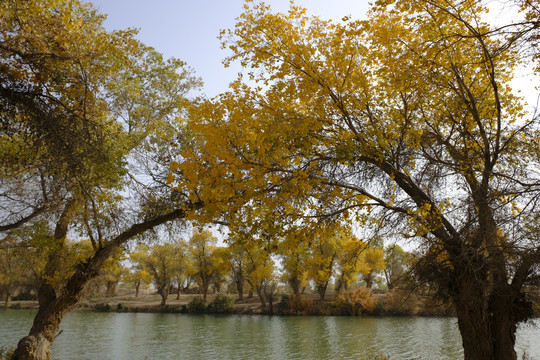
[(188, 30)]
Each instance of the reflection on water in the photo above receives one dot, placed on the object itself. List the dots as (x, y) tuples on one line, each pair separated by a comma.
[(174, 336)]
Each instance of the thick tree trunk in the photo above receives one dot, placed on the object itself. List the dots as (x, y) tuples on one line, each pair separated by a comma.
[(37, 345), (137, 286), (240, 289), (486, 335), (163, 291), (475, 333), (164, 294), (488, 318), (294, 282)]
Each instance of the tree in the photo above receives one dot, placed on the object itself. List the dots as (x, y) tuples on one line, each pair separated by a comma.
[(406, 120), (397, 262), (372, 261), (23, 254), (64, 148), (294, 253), (162, 262), (12, 270), (258, 265), (323, 258), (350, 262), (138, 277), (202, 248), (238, 259)]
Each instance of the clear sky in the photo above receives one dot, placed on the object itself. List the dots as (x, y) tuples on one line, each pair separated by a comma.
[(188, 30)]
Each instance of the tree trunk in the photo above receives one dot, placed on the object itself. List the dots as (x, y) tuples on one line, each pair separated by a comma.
[(6, 299), (488, 322), (137, 286), (486, 335), (369, 280), (164, 295), (261, 296), (179, 287), (321, 289), (205, 291), (240, 288), (294, 282), (269, 295), (163, 291), (37, 345)]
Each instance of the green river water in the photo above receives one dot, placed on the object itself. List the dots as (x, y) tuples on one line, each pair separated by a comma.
[(88, 335)]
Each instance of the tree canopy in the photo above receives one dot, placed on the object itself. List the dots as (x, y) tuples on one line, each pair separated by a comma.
[(404, 121), (80, 107)]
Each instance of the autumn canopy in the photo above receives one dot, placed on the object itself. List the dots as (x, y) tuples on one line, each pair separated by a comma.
[(405, 121)]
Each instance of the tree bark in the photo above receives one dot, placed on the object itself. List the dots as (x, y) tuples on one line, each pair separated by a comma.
[(486, 334), (164, 294)]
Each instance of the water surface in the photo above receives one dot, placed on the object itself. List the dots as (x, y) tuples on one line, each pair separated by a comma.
[(118, 336)]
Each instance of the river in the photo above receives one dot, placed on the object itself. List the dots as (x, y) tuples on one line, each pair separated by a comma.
[(88, 335)]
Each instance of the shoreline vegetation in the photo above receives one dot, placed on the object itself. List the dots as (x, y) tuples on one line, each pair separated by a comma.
[(356, 302)]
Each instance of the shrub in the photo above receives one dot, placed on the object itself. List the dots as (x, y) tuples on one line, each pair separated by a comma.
[(196, 306), (122, 308), (400, 302), (294, 305), (222, 304), (170, 309), (15, 306), (102, 307), (300, 306), (355, 302), (282, 307), (379, 309), (26, 295)]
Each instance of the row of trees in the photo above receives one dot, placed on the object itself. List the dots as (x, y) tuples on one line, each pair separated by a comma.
[(241, 265), (247, 266)]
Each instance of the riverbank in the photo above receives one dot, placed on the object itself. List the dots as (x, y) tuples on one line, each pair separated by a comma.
[(309, 304), (126, 301)]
